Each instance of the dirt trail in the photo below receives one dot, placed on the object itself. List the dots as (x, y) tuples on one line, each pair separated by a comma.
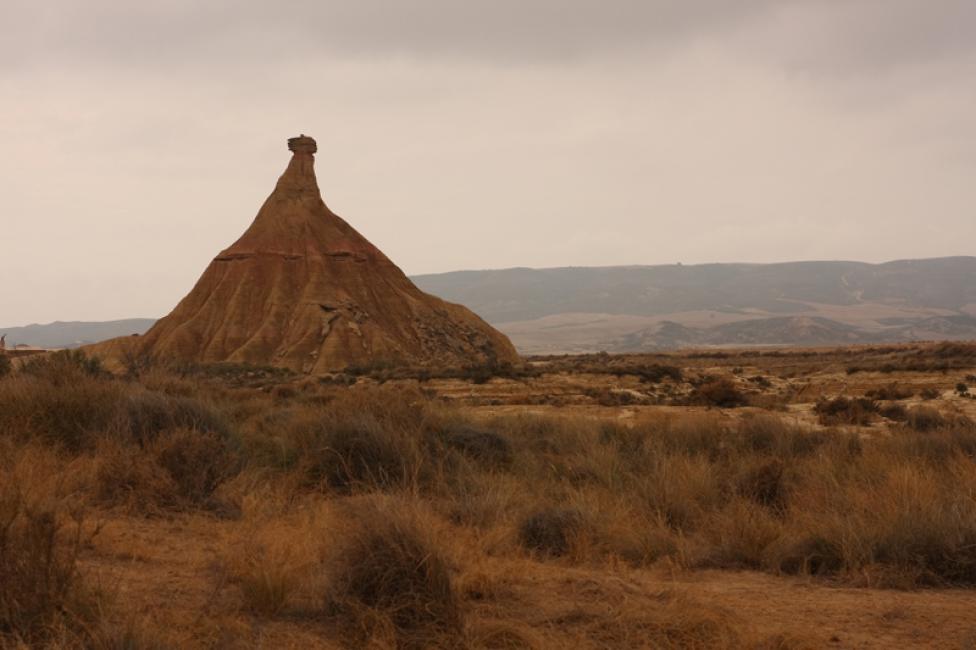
[(842, 617), (167, 570)]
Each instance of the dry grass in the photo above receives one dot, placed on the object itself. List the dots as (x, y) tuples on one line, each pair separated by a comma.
[(388, 572), (388, 517), (45, 601)]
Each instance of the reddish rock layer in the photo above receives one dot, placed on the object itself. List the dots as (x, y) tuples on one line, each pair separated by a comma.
[(302, 289)]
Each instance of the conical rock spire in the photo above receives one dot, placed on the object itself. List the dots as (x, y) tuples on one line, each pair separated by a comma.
[(302, 289)]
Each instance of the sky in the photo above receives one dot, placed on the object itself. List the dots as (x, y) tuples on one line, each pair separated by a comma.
[(138, 139)]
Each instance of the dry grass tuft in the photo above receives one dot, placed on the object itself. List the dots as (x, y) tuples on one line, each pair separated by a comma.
[(719, 392), (487, 447), (45, 600), (271, 559), (550, 531), (858, 411), (387, 568)]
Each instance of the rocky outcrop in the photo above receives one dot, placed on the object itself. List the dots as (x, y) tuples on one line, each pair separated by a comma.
[(301, 289)]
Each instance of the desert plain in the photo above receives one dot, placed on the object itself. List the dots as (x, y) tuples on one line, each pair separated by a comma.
[(765, 498)]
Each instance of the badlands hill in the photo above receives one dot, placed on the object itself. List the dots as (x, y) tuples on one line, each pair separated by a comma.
[(639, 308), (301, 289)]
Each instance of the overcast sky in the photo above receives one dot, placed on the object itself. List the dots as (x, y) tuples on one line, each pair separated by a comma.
[(138, 139)]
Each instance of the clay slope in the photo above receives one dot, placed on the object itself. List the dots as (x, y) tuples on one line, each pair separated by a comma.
[(302, 289)]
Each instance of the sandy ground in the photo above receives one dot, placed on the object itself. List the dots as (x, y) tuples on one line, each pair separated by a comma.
[(166, 570)]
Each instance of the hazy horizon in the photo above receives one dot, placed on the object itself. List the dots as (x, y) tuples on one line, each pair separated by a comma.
[(517, 268), (141, 139)]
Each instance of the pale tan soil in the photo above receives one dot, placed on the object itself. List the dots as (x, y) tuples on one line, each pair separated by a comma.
[(167, 570)]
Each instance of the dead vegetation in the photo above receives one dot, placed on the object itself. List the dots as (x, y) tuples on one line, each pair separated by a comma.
[(380, 514)]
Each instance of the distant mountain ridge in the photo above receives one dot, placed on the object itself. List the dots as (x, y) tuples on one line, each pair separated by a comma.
[(74, 333), (635, 308)]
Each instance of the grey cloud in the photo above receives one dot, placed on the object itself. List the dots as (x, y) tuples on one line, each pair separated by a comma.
[(470, 133), (851, 37), (498, 30), (821, 35)]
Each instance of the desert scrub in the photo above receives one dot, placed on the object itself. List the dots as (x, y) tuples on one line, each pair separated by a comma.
[(271, 558), (387, 574), (722, 392), (841, 410), (69, 415), (45, 600), (550, 531), (180, 470)]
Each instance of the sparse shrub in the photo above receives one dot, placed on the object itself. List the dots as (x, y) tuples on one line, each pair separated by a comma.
[(761, 381), (146, 414), (807, 554), (628, 440), (719, 392), (841, 410), (6, 367), (488, 447), (40, 588), (477, 374), (267, 586), (614, 397), (739, 535), (655, 373), (921, 531), (549, 531), (234, 374), (764, 484), (357, 452), (284, 393), (923, 418), (197, 461), (891, 392), (66, 414), (271, 560), (769, 434), (896, 412), (929, 393), (481, 499), (131, 478), (694, 434), (962, 389), (63, 366), (386, 562)]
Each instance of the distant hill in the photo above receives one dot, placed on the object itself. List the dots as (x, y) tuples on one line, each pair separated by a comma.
[(643, 308), (632, 308), (73, 334)]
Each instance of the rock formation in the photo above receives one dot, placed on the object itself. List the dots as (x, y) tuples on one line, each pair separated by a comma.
[(301, 289)]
